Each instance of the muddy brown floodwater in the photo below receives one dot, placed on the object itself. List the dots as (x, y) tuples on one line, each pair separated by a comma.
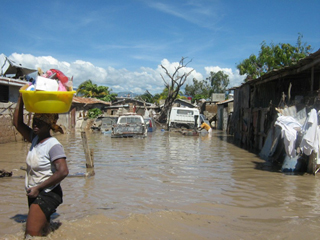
[(167, 186)]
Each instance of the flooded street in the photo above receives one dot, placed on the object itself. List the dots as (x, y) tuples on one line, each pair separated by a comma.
[(167, 186)]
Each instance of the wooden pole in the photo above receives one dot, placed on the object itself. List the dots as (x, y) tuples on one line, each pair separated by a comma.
[(91, 156), (89, 159)]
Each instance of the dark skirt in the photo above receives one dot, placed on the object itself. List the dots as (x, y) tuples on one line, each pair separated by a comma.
[(48, 201)]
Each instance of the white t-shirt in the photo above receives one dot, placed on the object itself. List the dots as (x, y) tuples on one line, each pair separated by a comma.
[(40, 160)]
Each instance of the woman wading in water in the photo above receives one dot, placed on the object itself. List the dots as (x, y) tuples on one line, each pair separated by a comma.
[(46, 168)]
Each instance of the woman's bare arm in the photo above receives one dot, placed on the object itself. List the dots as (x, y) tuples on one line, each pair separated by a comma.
[(17, 121)]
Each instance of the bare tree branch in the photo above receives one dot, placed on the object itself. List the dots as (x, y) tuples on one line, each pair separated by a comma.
[(173, 85)]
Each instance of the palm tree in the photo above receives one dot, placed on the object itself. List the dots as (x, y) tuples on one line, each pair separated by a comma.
[(89, 89)]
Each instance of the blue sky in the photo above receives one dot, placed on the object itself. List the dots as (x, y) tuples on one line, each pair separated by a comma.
[(121, 44)]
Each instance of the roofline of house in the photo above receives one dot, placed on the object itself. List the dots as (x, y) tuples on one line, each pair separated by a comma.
[(12, 81)]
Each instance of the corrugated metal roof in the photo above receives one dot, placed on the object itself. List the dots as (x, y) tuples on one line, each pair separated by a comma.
[(89, 101), (225, 101), (130, 100)]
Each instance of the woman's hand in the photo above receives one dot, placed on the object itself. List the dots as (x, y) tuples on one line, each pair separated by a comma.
[(33, 192)]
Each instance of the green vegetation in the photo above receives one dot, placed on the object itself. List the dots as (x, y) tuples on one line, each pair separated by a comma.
[(88, 89), (216, 83), (273, 57), (219, 82), (198, 90), (94, 112), (148, 97)]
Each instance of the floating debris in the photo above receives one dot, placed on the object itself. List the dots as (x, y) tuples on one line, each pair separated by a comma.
[(4, 173)]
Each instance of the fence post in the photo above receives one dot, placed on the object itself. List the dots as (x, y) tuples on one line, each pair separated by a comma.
[(88, 153)]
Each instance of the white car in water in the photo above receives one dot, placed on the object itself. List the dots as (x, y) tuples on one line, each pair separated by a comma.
[(129, 126)]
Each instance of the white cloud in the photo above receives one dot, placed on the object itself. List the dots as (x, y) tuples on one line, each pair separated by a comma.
[(234, 76), (44, 62), (171, 67), (119, 80), (82, 71)]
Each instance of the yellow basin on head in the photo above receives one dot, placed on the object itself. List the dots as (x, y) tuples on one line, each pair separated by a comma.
[(47, 101)]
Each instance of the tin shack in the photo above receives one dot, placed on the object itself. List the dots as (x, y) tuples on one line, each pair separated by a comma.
[(258, 102)]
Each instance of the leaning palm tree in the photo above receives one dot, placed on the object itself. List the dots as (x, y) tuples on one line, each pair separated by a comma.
[(87, 89)]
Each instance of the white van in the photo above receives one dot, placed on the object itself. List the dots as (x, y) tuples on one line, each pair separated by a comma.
[(183, 117)]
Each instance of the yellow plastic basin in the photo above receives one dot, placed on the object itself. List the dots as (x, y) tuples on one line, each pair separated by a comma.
[(46, 101)]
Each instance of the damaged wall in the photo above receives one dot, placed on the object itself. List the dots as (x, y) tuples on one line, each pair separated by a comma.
[(8, 132)]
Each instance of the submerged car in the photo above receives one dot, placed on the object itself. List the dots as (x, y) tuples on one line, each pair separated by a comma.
[(104, 123), (129, 126), (150, 123)]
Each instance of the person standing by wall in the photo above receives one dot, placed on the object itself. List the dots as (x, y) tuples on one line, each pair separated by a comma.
[(46, 168)]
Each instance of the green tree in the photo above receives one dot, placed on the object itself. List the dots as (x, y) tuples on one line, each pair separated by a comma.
[(147, 97), (219, 82), (94, 112), (86, 89), (156, 98), (89, 89), (198, 90), (273, 57), (108, 98), (215, 83), (165, 92)]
